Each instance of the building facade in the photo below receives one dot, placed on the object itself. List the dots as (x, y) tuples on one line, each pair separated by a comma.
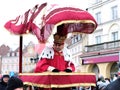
[(9, 62), (101, 54), (76, 43)]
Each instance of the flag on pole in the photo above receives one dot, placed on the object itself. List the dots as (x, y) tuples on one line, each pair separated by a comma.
[(23, 24), (19, 24)]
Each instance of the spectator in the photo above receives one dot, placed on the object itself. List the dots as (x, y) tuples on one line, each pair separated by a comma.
[(107, 81), (115, 77), (3, 82), (14, 83), (102, 86), (100, 83)]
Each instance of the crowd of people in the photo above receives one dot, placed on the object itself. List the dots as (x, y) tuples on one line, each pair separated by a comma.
[(104, 84), (109, 84)]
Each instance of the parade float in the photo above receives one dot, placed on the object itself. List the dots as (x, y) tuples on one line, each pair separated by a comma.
[(73, 20)]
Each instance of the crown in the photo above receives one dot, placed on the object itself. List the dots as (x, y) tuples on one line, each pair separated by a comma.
[(59, 38)]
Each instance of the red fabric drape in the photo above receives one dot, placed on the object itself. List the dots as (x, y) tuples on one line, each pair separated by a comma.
[(59, 80)]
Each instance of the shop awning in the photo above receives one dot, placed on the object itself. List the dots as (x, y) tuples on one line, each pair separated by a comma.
[(101, 59)]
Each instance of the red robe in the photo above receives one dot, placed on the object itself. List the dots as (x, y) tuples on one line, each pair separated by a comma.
[(57, 62)]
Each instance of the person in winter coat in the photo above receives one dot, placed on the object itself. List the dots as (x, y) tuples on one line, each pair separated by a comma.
[(4, 81), (14, 83)]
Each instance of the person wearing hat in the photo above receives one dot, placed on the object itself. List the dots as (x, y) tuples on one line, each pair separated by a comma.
[(55, 59), (4, 81), (14, 83)]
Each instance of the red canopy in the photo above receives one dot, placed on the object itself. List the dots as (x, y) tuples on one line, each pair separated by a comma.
[(72, 15), (74, 20)]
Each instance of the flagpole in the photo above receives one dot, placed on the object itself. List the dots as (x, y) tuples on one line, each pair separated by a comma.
[(20, 53)]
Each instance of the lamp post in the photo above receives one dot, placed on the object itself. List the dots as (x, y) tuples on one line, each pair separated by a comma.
[(20, 54)]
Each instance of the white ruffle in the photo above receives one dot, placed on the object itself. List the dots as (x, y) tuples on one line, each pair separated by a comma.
[(49, 54)]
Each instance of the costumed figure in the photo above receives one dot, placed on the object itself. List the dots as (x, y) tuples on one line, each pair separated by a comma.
[(56, 59)]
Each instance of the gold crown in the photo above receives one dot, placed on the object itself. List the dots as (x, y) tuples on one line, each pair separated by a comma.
[(59, 38)]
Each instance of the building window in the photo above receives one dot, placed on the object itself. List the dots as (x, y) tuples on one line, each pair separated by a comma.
[(114, 36), (75, 38), (8, 54), (98, 17), (17, 53), (13, 54), (114, 12), (73, 41), (98, 39), (79, 37)]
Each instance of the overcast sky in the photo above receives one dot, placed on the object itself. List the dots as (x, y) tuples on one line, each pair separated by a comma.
[(10, 9)]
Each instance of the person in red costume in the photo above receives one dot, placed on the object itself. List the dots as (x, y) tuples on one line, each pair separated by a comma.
[(55, 59)]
